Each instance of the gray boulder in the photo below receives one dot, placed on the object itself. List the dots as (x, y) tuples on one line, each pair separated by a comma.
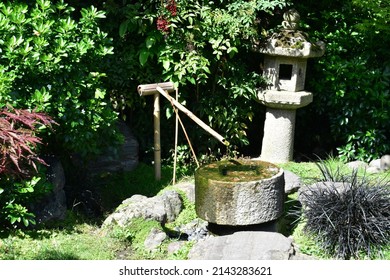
[(373, 169), (243, 245), (292, 182), (189, 189), (194, 230), (385, 162), (155, 238), (357, 164), (175, 246), (162, 208), (375, 163)]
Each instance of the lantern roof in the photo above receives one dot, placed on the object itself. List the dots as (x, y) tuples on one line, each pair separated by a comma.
[(292, 42)]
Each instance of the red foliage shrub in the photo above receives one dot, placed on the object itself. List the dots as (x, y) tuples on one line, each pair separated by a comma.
[(18, 140)]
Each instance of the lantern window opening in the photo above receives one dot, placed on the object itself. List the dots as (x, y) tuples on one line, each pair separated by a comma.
[(285, 71)]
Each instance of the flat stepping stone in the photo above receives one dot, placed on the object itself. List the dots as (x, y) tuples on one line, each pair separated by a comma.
[(292, 182), (243, 245)]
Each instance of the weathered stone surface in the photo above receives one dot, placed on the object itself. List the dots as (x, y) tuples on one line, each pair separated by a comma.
[(163, 208), (385, 162), (239, 202), (357, 164), (292, 182), (375, 163), (175, 246), (189, 189), (278, 140), (287, 100), (244, 245), (373, 169), (53, 205), (155, 238), (195, 230)]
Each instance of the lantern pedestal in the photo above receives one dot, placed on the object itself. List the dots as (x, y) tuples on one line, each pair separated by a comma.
[(279, 127)]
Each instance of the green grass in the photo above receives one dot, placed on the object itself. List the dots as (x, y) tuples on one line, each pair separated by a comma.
[(81, 242)]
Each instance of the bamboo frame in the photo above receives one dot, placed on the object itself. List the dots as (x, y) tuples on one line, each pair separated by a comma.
[(164, 89)]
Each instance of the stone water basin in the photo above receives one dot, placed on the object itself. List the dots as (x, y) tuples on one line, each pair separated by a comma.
[(239, 192)]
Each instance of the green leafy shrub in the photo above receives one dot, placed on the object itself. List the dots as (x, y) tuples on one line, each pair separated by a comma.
[(351, 82), (347, 218), (52, 62)]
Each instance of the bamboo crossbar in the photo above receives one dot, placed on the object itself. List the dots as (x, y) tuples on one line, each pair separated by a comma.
[(151, 89)]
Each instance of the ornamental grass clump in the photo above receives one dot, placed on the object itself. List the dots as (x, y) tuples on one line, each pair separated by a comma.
[(348, 218)]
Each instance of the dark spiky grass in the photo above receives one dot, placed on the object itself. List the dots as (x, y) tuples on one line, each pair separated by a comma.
[(347, 218)]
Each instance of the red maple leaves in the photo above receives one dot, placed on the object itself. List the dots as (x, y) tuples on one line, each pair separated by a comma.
[(18, 140)]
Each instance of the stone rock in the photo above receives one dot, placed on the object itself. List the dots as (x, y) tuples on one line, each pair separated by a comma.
[(155, 238), (385, 162), (373, 169), (175, 246), (375, 163), (292, 182), (243, 245), (189, 189), (53, 205), (195, 230), (163, 208), (114, 159), (357, 164)]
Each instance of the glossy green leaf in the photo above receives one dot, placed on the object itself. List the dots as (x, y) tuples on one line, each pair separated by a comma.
[(150, 41), (143, 57)]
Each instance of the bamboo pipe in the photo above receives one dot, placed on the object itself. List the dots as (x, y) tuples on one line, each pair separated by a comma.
[(193, 117), (157, 141), (150, 89)]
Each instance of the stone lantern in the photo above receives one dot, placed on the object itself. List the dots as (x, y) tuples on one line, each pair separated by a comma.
[(285, 61)]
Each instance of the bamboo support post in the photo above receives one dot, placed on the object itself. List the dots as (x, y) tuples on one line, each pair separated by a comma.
[(157, 140), (150, 89)]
